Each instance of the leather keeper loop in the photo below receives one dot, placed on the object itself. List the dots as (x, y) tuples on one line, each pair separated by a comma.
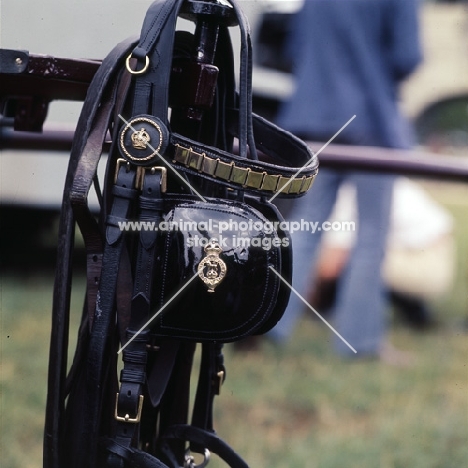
[(133, 376), (138, 336), (117, 449), (135, 357), (139, 53), (124, 192), (151, 204)]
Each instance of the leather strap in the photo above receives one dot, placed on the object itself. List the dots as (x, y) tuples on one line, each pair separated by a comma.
[(54, 424), (84, 176), (135, 457), (104, 317), (152, 87), (213, 164), (133, 375), (211, 377), (209, 440), (246, 137), (175, 402)]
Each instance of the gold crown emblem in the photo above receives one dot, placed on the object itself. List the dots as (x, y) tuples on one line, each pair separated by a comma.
[(140, 139), (212, 269), (213, 248)]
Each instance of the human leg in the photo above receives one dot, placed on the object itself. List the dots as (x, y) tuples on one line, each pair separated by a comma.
[(361, 302)]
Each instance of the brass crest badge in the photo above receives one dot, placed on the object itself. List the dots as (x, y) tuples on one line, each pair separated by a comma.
[(140, 139), (212, 269)]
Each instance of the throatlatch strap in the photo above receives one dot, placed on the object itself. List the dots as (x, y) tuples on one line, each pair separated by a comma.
[(104, 318), (54, 424), (130, 398), (175, 402), (211, 377)]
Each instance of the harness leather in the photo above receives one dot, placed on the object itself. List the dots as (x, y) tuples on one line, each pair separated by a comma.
[(91, 420)]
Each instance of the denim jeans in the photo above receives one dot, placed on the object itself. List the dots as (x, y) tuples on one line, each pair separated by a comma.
[(360, 307)]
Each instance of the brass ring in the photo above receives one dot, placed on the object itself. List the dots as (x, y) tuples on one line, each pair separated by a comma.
[(133, 72)]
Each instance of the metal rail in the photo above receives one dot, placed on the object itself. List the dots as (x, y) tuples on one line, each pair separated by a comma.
[(41, 79), (408, 162)]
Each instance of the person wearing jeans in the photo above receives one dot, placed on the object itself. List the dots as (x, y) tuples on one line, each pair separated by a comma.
[(350, 57)]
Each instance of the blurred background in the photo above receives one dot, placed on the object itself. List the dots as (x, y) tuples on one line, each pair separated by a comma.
[(299, 405)]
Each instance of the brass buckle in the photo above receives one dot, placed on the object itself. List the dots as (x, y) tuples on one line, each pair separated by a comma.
[(120, 163), (127, 417), (140, 176)]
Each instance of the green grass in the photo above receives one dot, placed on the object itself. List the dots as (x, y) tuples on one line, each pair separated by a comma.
[(305, 407), (296, 407), (25, 304)]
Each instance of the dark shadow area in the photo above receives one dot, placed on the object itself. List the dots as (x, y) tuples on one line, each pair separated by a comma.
[(28, 239)]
